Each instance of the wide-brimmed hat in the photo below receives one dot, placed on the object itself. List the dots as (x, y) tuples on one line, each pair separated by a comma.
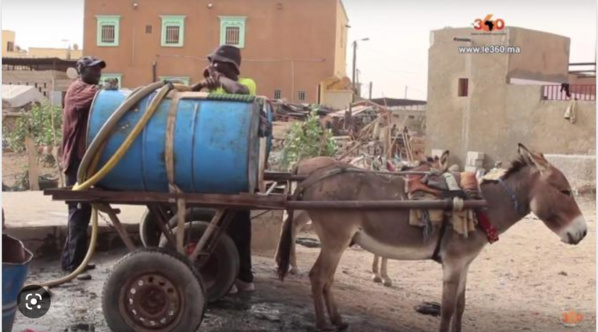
[(227, 53)]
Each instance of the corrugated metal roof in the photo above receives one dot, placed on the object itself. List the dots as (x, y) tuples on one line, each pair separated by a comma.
[(19, 95)]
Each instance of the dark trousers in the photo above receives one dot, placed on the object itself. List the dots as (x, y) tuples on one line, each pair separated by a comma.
[(239, 230), (75, 246)]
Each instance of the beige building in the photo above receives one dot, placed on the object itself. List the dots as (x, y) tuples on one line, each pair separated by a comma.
[(288, 47), (490, 102)]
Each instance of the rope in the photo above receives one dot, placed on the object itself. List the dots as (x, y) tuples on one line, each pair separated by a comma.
[(231, 97), (458, 204)]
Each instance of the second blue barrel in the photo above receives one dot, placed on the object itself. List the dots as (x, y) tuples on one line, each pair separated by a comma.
[(216, 145)]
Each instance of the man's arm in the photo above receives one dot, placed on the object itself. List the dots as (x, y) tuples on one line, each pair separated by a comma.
[(84, 97), (231, 86)]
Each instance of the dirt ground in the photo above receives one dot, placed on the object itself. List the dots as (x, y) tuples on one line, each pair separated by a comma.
[(524, 282)]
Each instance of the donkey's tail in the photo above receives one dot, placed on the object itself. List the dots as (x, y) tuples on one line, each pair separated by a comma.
[(286, 238), (284, 246)]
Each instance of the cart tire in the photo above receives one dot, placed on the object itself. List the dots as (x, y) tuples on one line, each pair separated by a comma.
[(222, 268), (194, 214), (149, 232), (156, 290)]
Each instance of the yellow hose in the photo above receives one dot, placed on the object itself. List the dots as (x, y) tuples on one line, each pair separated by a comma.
[(114, 159)]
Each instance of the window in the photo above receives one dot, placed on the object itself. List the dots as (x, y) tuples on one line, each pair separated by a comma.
[(232, 31), (277, 94), (301, 95), (111, 75), (233, 35), (182, 79), (148, 29), (108, 30), (173, 30), (10, 46), (463, 87)]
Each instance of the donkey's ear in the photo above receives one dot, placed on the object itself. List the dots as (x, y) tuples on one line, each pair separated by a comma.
[(444, 161), (533, 159), (444, 158)]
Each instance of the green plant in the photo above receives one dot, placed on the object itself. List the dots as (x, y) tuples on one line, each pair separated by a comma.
[(38, 121), (306, 140)]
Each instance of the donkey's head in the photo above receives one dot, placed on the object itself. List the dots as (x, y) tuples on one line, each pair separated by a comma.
[(551, 198), (439, 164)]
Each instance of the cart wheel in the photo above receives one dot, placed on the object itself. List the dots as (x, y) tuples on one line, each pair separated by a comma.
[(220, 271), (153, 290), (149, 232)]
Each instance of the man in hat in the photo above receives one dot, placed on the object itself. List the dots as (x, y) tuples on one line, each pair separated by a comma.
[(77, 104), (222, 76), (222, 73)]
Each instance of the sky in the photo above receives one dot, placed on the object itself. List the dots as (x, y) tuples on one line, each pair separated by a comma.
[(395, 57)]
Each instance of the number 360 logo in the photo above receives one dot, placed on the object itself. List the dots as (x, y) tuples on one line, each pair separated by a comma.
[(488, 24)]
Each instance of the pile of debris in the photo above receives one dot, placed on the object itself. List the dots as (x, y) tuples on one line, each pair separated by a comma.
[(285, 111), (364, 130)]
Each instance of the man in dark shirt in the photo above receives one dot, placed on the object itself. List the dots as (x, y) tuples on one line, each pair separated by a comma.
[(77, 104), (223, 76)]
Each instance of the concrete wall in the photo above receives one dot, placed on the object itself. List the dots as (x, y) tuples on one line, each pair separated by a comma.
[(42, 80), (580, 170), (495, 116), (289, 45), (544, 56)]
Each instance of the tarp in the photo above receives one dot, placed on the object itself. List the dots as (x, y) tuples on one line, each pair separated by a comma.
[(20, 95)]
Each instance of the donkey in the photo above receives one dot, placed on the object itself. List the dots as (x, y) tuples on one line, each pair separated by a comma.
[(530, 184), (301, 217)]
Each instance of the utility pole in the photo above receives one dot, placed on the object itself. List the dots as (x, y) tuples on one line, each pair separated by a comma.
[(371, 83), (405, 92), (354, 67), (353, 74)]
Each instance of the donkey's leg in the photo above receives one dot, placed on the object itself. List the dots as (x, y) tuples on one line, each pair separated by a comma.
[(452, 273), (376, 275), (384, 273), (316, 277), (322, 276), (334, 258), (460, 307)]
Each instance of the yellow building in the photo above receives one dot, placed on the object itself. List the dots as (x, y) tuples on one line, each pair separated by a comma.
[(11, 50)]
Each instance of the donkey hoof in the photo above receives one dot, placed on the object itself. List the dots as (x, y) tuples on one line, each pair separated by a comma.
[(295, 270), (387, 283), (344, 327), (376, 278)]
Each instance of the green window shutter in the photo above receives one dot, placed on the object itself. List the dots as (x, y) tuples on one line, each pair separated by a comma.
[(232, 30), (184, 79), (173, 30), (112, 75), (108, 30)]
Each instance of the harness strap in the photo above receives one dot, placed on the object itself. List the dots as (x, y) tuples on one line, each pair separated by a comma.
[(435, 255), (511, 193)]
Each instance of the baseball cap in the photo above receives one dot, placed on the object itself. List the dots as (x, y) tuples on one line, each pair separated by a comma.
[(89, 61)]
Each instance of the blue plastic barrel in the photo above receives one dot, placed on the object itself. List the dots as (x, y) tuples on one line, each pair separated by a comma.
[(216, 145), (15, 266)]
